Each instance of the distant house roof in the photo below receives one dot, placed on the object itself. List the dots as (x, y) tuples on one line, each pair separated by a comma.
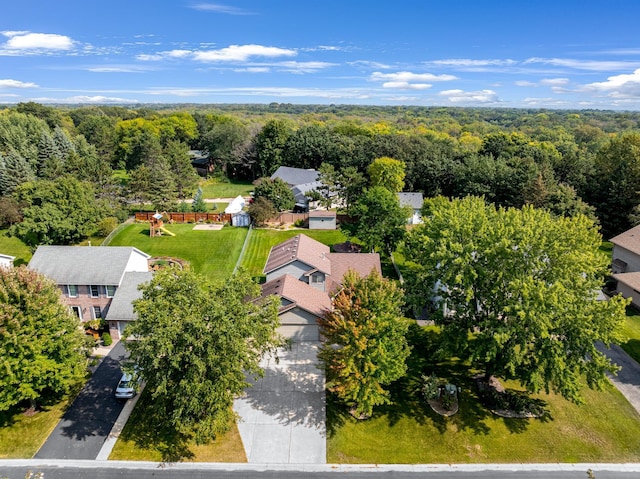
[(414, 200), (629, 240), (104, 265), (298, 293), (121, 308), (199, 157), (295, 176), (299, 248), (301, 190)]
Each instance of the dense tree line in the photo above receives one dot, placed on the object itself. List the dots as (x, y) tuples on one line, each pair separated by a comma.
[(565, 161)]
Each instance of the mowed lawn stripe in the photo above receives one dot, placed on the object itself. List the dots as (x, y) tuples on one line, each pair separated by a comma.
[(262, 240), (212, 253)]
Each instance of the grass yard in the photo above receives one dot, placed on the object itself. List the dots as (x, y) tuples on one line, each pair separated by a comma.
[(14, 247), (631, 330), (605, 429), (215, 189), (262, 240), (21, 436), (212, 253), (138, 443)]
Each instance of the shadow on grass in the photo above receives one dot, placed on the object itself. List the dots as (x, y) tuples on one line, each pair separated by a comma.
[(407, 400), (148, 429)]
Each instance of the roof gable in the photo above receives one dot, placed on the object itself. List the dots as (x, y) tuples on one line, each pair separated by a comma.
[(299, 248), (299, 294), (414, 200)]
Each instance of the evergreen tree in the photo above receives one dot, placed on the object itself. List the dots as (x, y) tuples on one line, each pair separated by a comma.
[(199, 205)]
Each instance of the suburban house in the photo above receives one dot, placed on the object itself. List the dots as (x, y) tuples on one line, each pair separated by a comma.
[(625, 264), (202, 162), (306, 274), (301, 182), (413, 201), (6, 261), (96, 282)]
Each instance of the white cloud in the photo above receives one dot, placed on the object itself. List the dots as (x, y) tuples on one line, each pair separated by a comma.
[(241, 53), (219, 8), (466, 62), (470, 97), (619, 86), (369, 64), (409, 77), (554, 81), (16, 84), (403, 85), (590, 65), (303, 67), (97, 99), (525, 83), (118, 69), (253, 70), (37, 41), (405, 99)]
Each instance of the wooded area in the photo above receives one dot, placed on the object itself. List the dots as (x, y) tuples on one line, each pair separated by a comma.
[(565, 161)]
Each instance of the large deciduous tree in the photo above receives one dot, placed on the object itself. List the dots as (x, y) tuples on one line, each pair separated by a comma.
[(42, 350), (365, 347), (276, 191), (380, 221), (516, 289), (388, 173), (195, 341), (63, 211)]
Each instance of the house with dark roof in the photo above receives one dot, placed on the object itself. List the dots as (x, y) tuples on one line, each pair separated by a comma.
[(319, 273), (625, 264), (414, 202), (301, 181), (96, 282)]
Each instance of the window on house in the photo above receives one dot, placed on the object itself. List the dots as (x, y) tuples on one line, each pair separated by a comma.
[(111, 291), (72, 290), (97, 313), (316, 278), (76, 311), (95, 291)]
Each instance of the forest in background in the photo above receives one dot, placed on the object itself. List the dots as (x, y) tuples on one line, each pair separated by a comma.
[(79, 168)]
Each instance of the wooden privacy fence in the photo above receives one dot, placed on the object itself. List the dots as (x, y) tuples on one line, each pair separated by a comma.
[(188, 217), (287, 217)]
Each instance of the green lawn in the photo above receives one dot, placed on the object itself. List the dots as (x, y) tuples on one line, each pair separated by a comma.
[(212, 253), (21, 436), (262, 240), (215, 189), (14, 247), (142, 440), (631, 330), (606, 429)]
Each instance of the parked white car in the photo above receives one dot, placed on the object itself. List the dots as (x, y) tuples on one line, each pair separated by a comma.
[(126, 388)]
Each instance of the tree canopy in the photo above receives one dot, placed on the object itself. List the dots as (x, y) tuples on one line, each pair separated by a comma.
[(516, 290), (365, 347), (42, 350), (276, 191), (196, 340)]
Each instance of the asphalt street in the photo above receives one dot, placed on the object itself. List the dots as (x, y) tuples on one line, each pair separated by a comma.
[(195, 471), (83, 429)]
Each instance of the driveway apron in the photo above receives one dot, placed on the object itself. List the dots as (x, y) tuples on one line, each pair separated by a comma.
[(85, 426), (283, 415), (627, 380)]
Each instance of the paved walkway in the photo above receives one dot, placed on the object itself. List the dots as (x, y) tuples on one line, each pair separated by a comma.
[(283, 414), (83, 429), (628, 378)]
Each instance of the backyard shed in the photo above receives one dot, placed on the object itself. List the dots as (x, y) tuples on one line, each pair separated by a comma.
[(322, 220)]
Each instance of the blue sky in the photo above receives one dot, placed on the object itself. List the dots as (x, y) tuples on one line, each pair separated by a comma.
[(524, 54)]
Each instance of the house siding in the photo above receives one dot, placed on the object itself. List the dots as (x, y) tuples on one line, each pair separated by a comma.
[(322, 223), (623, 254), (629, 292), (84, 300), (297, 269)]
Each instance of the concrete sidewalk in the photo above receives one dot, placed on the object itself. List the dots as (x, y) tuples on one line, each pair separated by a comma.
[(628, 378), (283, 414)]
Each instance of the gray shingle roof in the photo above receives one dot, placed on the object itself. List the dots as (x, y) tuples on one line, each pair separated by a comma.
[(103, 265), (295, 176), (121, 308), (414, 200), (299, 248)]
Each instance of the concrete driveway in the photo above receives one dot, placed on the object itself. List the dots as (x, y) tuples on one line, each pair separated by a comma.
[(83, 429), (628, 378), (283, 414)]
